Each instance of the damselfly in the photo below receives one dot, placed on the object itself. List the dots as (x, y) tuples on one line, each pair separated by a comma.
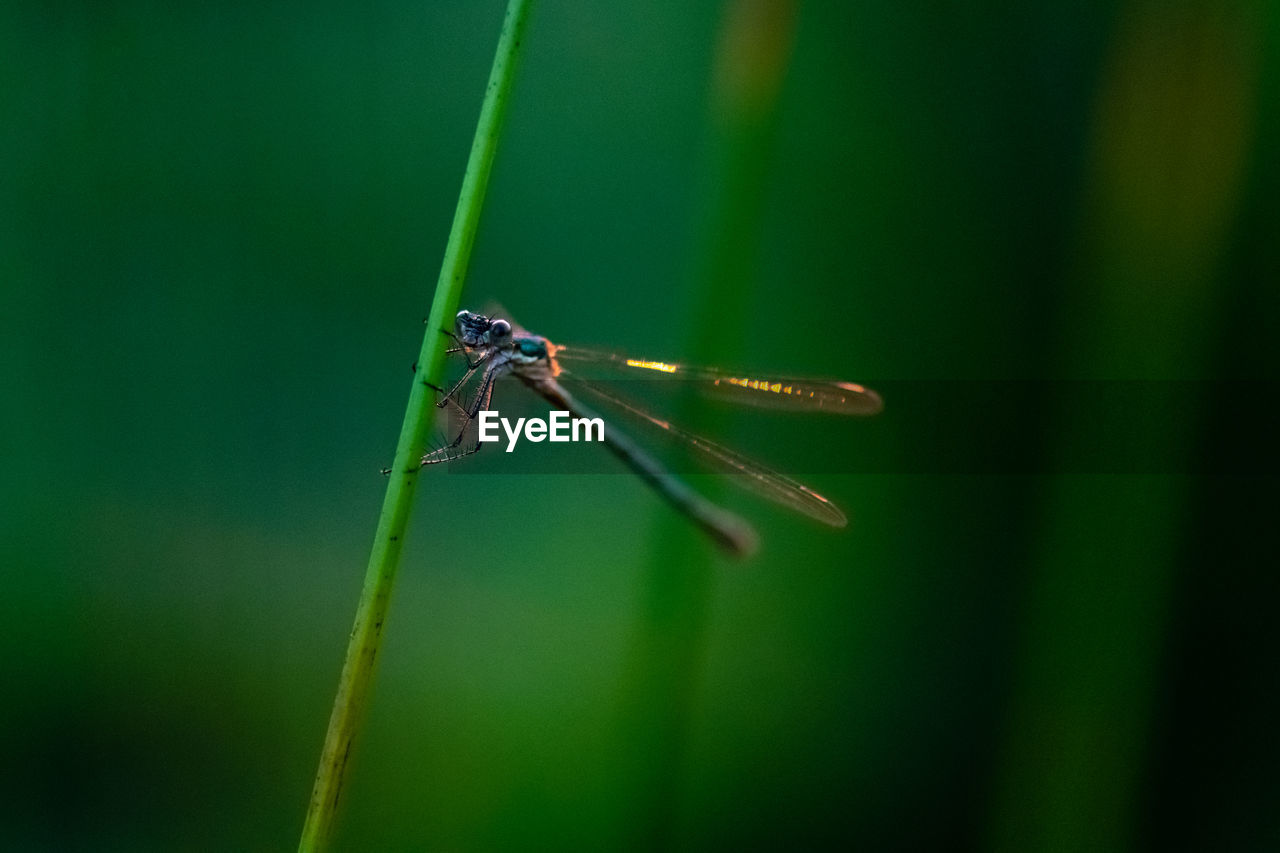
[(496, 347)]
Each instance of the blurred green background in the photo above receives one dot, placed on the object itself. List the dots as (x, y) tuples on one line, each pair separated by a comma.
[(219, 231)]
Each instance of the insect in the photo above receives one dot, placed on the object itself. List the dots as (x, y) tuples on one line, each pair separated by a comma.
[(494, 347)]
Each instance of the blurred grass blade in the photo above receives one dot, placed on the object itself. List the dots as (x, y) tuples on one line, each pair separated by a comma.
[(1172, 137), (663, 670), (384, 558)]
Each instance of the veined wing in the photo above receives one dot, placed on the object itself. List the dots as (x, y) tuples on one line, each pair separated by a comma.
[(763, 481), (760, 390)]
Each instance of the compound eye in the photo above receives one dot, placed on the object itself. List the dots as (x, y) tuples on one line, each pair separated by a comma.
[(460, 321), (499, 330)]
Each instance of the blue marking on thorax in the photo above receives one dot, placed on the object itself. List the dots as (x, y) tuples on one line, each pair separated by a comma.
[(531, 347)]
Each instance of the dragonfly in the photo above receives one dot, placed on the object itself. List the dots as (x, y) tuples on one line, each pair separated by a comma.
[(494, 347)]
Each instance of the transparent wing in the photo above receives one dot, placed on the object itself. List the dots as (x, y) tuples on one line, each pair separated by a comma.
[(760, 390), (757, 478)]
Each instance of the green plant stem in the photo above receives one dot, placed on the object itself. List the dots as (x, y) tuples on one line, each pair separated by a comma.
[(384, 558), (663, 670)]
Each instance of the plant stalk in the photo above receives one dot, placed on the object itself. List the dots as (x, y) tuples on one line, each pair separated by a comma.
[(384, 558)]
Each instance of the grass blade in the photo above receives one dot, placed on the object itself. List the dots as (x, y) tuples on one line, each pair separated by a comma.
[(384, 558)]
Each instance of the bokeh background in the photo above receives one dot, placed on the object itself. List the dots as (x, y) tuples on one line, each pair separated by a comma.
[(219, 230)]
